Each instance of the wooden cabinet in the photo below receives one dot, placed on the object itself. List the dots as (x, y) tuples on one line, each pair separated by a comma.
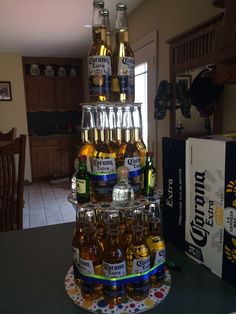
[(40, 93), (53, 93), (53, 156), (226, 65), (228, 42), (67, 92)]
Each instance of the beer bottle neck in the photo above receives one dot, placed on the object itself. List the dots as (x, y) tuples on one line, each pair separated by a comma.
[(99, 35), (112, 135), (137, 134), (118, 135), (122, 36), (87, 136)]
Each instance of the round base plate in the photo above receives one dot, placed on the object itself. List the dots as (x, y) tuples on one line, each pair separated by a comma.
[(156, 296)]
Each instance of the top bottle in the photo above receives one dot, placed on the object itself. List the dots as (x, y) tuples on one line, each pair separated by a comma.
[(99, 58), (123, 58)]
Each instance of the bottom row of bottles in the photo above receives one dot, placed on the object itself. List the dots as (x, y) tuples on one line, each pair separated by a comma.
[(113, 249)]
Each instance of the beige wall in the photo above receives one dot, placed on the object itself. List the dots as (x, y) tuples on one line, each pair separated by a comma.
[(13, 113), (169, 18)]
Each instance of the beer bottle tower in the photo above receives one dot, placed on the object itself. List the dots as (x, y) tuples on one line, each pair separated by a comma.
[(99, 58), (123, 57)]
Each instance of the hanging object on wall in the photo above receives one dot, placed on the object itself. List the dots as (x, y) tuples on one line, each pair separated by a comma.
[(162, 100), (182, 98)]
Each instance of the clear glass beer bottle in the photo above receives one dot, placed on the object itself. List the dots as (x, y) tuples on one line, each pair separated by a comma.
[(105, 12), (114, 266), (87, 131), (90, 262), (123, 57), (112, 125), (138, 262), (156, 245), (138, 136), (99, 58), (103, 163), (128, 154)]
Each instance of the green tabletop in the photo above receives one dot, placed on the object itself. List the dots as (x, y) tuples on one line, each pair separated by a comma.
[(34, 262)]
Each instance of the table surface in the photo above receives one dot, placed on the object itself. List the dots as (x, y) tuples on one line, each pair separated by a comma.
[(34, 263)]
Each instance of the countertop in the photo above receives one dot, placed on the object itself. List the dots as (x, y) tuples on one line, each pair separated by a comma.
[(34, 263)]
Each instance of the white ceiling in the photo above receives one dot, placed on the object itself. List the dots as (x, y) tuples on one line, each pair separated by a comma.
[(50, 27)]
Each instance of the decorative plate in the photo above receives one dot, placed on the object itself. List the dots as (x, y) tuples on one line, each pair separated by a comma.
[(49, 70), (156, 296), (72, 72), (62, 71)]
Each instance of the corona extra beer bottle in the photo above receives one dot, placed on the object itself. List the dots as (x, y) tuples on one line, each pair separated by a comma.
[(138, 138), (112, 143), (77, 242), (90, 262), (87, 131), (138, 262), (105, 13), (123, 57), (114, 266), (103, 163), (128, 154), (99, 58), (156, 246)]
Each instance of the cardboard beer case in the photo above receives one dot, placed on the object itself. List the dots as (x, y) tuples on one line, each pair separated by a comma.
[(174, 191), (210, 229)]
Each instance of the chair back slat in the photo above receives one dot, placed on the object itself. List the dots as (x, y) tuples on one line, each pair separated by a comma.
[(12, 184)]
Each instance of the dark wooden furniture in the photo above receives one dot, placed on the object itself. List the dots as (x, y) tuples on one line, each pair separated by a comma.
[(53, 155), (196, 47), (226, 65), (12, 184), (9, 136), (53, 93)]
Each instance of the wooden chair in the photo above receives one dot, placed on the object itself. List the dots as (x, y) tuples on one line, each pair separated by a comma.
[(9, 136), (12, 184)]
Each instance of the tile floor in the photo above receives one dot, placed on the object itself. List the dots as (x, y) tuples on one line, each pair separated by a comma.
[(46, 204)]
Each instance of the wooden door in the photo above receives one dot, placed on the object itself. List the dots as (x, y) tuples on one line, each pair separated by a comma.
[(46, 93)]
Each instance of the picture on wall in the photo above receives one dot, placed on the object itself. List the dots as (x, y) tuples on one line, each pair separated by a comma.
[(5, 91)]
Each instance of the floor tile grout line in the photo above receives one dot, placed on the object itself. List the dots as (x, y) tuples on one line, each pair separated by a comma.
[(58, 204), (43, 205)]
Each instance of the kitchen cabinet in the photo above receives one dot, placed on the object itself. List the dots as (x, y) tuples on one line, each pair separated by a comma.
[(59, 91), (226, 64), (53, 156)]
